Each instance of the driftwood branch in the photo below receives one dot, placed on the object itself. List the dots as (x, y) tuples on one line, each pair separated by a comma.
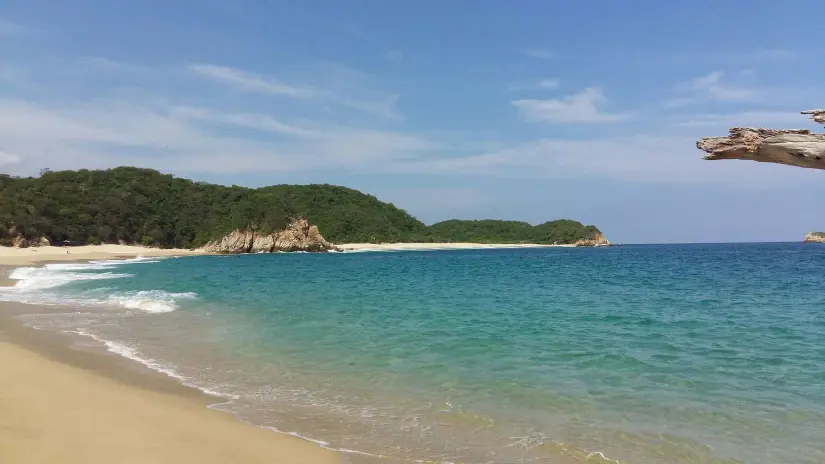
[(794, 147)]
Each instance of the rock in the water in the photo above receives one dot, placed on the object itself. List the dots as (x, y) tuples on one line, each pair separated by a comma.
[(299, 235), (815, 237), (597, 240)]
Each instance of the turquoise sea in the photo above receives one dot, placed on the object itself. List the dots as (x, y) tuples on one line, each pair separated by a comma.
[(631, 354)]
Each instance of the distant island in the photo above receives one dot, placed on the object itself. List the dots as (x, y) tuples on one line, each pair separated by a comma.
[(815, 237), (130, 205)]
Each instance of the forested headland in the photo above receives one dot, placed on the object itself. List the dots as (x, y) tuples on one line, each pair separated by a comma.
[(144, 206)]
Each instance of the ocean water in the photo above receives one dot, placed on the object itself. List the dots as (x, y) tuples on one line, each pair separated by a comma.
[(633, 354)]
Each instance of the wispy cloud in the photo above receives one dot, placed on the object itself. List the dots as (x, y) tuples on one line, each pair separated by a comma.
[(722, 121), (106, 133), (8, 29), (8, 158), (545, 84), (582, 107), (639, 157), (250, 82), (710, 87), (261, 122), (539, 53), (352, 88), (394, 56)]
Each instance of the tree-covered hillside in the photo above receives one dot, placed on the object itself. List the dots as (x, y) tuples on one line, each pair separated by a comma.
[(495, 231), (143, 206)]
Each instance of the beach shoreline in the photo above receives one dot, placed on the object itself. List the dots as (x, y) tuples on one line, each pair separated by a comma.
[(70, 401), (33, 255), (423, 246)]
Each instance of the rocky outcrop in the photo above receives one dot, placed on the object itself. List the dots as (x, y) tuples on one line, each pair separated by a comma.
[(793, 147), (299, 235), (815, 237), (21, 242), (597, 240), (237, 241)]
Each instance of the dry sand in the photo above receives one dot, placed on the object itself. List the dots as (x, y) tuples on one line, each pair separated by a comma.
[(25, 256), (60, 405), (439, 246)]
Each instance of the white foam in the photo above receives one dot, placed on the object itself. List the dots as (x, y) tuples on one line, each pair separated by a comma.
[(135, 355), (135, 260), (49, 276), (35, 285), (151, 301)]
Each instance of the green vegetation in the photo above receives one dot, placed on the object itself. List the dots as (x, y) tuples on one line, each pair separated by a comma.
[(495, 231), (143, 206)]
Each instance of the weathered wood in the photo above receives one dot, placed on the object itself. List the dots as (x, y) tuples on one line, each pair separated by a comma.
[(794, 147)]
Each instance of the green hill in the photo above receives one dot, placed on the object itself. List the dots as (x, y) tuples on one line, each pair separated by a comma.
[(135, 205)]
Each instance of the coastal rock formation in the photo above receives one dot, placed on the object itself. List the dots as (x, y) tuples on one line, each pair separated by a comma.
[(597, 240), (299, 235), (793, 147), (262, 243), (237, 241), (815, 237), (21, 242)]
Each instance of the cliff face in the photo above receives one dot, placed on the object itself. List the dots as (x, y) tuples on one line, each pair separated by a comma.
[(815, 237), (597, 240), (19, 241), (299, 235)]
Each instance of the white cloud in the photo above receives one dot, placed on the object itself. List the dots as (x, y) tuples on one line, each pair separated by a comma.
[(638, 158), (180, 139), (356, 92), (712, 87), (9, 29), (249, 82), (582, 107), (260, 122), (106, 133), (394, 56), (541, 84), (740, 119), (8, 158), (539, 53)]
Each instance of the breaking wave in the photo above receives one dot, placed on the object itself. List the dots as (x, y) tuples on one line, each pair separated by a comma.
[(37, 285)]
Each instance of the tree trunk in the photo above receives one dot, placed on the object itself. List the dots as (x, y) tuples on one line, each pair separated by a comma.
[(794, 147)]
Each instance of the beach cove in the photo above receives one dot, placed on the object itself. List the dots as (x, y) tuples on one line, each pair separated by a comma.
[(622, 354)]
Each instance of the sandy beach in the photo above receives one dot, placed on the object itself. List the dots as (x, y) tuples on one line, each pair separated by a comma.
[(439, 246), (31, 255), (79, 407)]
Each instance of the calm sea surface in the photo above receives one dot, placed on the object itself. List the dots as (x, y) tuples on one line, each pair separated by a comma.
[(636, 354)]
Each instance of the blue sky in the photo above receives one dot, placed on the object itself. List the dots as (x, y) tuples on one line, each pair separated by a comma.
[(526, 110)]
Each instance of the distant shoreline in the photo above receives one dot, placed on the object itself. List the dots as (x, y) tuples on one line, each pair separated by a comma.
[(440, 246), (33, 255), (11, 256)]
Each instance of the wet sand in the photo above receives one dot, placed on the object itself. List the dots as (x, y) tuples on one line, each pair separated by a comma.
[(74, 406)]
